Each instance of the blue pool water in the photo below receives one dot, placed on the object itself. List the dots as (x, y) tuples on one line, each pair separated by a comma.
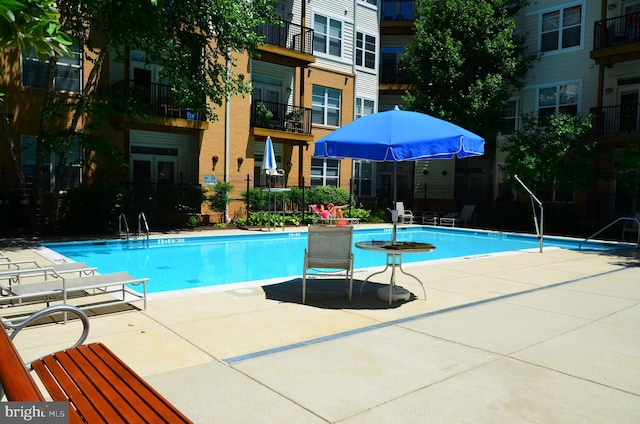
[(175, 263)]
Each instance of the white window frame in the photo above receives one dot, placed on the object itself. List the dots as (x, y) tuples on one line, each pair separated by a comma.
[(370, 3), (561, 10), (324, 102), (362, 51), (64, 63), (358, 177), (362, 107), (513, 116), (328, 36), (555, 194), (325, 172), (28, 160), (559, 87)]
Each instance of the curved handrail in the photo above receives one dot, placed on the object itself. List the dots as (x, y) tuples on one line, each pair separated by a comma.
[(539, 226), (143, 219), (123, 218), (624, 218)]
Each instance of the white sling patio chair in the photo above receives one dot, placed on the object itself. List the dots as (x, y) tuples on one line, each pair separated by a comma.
[(329, 250), (405, 216), (465, 216)]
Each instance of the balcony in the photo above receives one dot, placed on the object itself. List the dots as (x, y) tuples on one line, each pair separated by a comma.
[(393, 77), (287, 43), (616, 39), (398, 10), (280, 117), (397, 17), (617, 120), (154, 99)]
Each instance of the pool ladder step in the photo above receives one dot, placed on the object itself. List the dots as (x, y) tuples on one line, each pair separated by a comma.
[(123, 229)]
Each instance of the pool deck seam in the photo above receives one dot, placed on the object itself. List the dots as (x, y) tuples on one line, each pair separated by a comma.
[(271, 351)]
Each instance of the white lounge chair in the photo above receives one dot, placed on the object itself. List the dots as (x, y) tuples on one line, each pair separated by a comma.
[(15, 271), (465, 216), (405, 216), (113, 285), (631, 227), (429, 218), (329, 250)]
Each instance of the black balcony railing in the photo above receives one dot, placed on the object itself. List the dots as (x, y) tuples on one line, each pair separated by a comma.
[(394, 73), (155, 99), (617, 31), (288, 35), (617, 120), (280, 116), (398, 10)]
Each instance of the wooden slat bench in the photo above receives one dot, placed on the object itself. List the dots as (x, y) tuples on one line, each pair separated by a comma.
[(99, 387)]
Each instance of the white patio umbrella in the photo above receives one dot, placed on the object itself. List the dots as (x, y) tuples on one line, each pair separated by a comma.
[(269, 167), (269, 164)]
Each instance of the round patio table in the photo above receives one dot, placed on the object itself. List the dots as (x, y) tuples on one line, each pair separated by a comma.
[(394, 252)]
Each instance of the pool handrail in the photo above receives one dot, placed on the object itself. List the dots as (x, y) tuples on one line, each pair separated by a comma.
[(143, 219), (539, 226), (123, 218), (623, 218)]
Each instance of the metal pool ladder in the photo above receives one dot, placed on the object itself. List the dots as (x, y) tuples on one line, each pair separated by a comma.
[(142, 221), (624, 218)]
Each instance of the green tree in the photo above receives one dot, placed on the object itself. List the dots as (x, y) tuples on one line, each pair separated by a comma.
[(464, 61), (32, 25), (627, 169), (220, 198), (557, 151), (195, 43)]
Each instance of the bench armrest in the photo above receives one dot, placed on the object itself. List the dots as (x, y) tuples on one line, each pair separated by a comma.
[(56, 309)]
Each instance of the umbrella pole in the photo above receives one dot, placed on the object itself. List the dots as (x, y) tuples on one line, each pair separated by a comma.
[(394, 214)]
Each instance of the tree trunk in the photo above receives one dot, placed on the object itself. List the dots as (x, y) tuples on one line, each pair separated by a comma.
[(11, 150), (41, 151)]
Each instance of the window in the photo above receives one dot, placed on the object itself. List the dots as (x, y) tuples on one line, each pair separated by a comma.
[(510, 118), (72, 174), (68, 76), (363, 107), (371, 2), (364, 170), (393, 69), (326, 106), (365, 50), (325, 172), (327, 36), (554, 194), (558, 99), (561, 29)]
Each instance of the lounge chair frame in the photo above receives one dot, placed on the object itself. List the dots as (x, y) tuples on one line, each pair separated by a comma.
[(108, 289)]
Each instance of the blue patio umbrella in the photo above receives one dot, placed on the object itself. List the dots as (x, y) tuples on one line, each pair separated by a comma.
[(398, 135)]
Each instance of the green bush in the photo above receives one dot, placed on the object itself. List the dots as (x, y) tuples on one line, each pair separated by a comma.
[(97, 206), (219, 200)]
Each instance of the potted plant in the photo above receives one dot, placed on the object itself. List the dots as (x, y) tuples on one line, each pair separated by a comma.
[(263, 114)]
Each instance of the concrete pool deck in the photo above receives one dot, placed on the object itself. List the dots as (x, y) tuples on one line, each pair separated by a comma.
[(525, 337)]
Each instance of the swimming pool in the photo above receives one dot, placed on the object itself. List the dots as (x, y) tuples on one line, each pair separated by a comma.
[(177, 263)]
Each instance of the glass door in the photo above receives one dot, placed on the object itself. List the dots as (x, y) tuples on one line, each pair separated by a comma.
[(153, 169), (629, 119)]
